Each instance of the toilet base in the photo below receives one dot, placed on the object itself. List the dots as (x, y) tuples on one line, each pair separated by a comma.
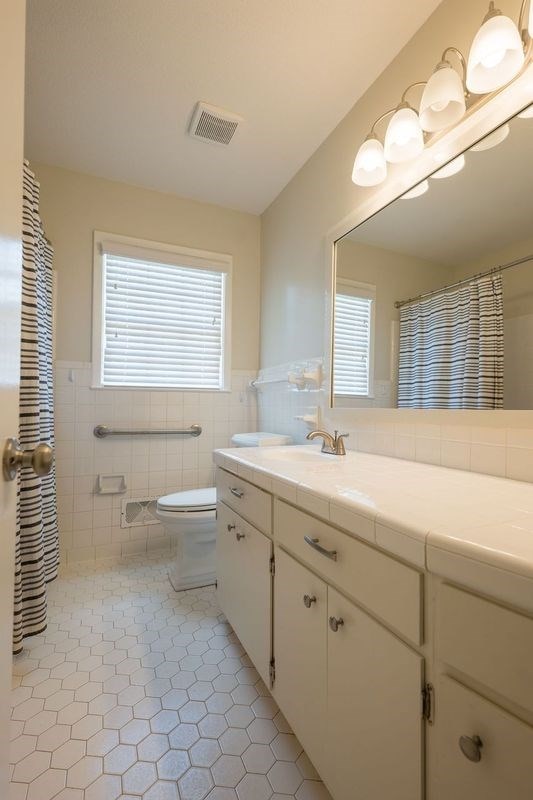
[(182, 582)]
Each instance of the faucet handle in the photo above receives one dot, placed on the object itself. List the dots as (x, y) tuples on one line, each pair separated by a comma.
[(340, 449), (341, 435)]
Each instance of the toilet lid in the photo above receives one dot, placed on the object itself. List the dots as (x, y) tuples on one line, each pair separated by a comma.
[(193, 500)]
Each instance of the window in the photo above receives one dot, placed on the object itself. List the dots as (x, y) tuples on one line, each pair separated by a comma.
[(354, 338), (161, 315)]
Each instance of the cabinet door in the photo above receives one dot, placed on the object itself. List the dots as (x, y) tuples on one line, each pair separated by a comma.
[(300, 642), (374, 727), (502, 765), (245, 584)]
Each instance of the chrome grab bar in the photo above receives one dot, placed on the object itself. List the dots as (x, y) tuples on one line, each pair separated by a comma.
[(237, 492), (314, 543), (101, 431)]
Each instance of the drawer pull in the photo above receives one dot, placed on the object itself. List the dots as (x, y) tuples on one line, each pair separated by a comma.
[(335, 623), (314, 543), (236, 492), (308, 600), (231, 527), (240, 536), (471, 747)]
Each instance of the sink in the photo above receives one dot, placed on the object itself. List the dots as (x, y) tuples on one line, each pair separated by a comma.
[(295, 455)]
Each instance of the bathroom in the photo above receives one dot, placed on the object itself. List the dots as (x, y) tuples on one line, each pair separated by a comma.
[(348, 613)]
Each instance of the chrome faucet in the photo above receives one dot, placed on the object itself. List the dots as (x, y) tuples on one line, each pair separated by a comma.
[(334, 445)]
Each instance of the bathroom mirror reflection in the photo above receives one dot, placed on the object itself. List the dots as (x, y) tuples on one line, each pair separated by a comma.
[(433, 299)]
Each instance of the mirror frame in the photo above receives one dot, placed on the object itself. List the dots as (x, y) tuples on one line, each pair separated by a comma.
[(487, 117)]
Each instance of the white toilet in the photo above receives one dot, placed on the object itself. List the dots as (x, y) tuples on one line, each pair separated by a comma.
[(191, 517)]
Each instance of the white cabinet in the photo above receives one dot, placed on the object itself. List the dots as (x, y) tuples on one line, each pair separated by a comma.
[(245, 584), (300, 636), (374, 734), (481, 751)]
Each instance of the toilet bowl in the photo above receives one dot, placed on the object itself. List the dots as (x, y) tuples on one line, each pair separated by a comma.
[(190, 518)]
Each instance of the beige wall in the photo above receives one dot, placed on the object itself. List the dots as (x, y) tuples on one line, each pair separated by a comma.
[(73, 205), (396, 277), (322, 193)]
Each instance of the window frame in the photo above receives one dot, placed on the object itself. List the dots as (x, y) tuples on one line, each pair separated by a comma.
[(221, 262), (366, 291)]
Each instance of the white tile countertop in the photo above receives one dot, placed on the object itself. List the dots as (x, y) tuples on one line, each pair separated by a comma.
[(471, 528)]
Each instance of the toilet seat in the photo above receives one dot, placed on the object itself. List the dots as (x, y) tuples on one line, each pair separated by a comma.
[(193, 501)]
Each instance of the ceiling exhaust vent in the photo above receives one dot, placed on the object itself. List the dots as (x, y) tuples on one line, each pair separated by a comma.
[(213, 124)]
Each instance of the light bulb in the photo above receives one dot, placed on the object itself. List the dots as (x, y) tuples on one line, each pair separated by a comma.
[(418, 190), (450, 169), (496, 55), (370, 167), (493, 139), (443, 100), (404, 139)]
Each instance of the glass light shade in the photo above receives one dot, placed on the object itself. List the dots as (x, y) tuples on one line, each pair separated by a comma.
[(404, 139), (418, 190), (527, 113), (530, 23), (492, 140), (496, 55), (450, 169), (443, 102), (370, 167)]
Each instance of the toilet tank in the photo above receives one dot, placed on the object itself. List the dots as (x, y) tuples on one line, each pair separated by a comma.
[(259, 439)]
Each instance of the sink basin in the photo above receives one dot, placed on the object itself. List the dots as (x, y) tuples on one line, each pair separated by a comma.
[(295, 455)]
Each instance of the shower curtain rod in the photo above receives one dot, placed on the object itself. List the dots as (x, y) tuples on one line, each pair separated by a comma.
[(486, 274)]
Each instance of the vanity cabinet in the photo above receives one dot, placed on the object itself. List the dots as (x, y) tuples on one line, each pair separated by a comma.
[(244, 584)]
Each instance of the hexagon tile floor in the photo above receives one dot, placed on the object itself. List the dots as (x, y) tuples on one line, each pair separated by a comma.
[(138, 691)]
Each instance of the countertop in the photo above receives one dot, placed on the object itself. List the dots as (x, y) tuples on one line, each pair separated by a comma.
[(474, 529)]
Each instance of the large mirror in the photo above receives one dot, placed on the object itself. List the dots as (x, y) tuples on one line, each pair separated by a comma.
[(433, 302)]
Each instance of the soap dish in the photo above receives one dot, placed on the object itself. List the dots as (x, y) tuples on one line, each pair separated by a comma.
[(111, 484)]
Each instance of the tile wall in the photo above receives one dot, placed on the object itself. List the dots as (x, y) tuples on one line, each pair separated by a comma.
[(90, 523), (500, 451)]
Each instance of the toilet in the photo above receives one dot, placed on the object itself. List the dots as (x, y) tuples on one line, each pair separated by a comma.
[(190, 517)]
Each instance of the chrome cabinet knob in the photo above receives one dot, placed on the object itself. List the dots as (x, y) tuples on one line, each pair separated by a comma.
[(40, 459), (308, 600), (231, 527), (240, 536), (335, 623), (471, 747)]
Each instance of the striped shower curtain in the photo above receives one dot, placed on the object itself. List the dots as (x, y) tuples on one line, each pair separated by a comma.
[(451, 348), (37, 544)]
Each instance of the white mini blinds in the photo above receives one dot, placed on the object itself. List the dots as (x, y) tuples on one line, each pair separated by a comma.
[(353, 339), (164, 318)]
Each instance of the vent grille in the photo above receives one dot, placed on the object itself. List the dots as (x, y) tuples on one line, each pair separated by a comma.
[(212, 124), (138, 511)]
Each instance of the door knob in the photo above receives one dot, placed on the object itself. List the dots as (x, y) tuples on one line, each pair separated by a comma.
[(471, 747), (40, 459), (231, 527), (308, 600), (240, 536), (335, 623)]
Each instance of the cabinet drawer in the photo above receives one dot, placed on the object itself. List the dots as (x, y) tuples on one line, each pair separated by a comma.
[(389, 589), (244, 584), (488, 642), (505, 768), (246, 499)]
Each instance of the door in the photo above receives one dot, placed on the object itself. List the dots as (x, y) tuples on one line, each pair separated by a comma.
[(245, 585), (11, 154), (300, 642), (481, 751), (374, 727)]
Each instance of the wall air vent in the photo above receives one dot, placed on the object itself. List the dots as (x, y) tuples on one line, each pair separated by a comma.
[(213, 124), (138, 511)]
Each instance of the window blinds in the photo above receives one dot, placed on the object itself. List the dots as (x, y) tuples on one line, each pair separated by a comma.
[(163, 324), (351, 367)]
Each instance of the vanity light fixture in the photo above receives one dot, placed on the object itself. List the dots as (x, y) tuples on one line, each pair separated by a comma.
[(499, 52), (443, 101), (450, 169), (492, 140), (418, 190)]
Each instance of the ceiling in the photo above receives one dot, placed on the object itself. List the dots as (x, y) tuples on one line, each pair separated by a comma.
[(482, 209), (111, 85)]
